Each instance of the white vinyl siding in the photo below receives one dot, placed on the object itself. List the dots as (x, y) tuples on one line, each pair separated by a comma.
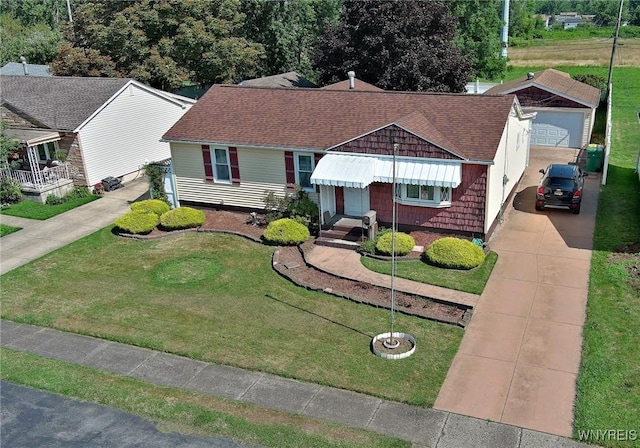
[(508, 166), (126, 134), (260, 171)]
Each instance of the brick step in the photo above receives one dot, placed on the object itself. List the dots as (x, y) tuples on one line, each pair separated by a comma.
[(351, 235), (339, 243)]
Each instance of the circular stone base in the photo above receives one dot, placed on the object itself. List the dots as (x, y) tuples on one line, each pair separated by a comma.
[(406, 345)]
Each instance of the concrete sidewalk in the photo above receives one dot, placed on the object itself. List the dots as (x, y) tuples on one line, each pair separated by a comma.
[(38, 238), (422, 427)]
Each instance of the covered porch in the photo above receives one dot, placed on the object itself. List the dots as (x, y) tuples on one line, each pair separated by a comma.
[(350, 197), (37, 165)]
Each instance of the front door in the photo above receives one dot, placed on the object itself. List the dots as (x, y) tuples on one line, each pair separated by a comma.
[(356, 201)]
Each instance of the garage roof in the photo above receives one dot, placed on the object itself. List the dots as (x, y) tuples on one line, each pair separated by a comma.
[(554, 81)]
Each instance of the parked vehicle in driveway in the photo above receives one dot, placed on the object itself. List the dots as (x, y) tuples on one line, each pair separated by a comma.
[(561, 187)]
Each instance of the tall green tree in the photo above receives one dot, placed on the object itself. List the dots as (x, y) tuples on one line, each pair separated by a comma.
[(521, 20), (287, 30), (32, 12), (478, 36), (606, 12), (38, 42), (395, 46), (165, 43)]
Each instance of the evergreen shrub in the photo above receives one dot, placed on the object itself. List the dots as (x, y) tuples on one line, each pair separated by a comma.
[(151, 205), (137, 222), (404, 243), (286, 231), (454, 253), (182, 218)]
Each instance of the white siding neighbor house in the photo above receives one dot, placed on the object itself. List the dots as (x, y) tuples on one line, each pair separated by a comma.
[(86, 129)]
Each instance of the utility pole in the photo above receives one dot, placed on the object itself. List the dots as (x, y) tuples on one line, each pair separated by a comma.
[(615, 44), (504, 34)]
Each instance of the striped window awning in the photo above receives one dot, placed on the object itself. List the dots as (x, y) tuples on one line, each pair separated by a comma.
[(341, 170)]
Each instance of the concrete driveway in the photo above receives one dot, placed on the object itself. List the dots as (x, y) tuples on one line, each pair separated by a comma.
[(519, 359)]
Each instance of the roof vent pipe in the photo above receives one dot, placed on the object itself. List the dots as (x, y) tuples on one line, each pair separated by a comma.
[(23, 61), (352, 80), (530, 75)]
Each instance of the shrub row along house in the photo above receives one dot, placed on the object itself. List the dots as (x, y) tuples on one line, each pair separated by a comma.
[(458, 157), (82, 130)]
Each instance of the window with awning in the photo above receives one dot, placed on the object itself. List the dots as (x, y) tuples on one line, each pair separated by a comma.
[(342, 170)]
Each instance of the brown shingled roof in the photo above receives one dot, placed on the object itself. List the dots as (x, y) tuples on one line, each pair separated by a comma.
[(553, 80), (319, 119), (358, 85)]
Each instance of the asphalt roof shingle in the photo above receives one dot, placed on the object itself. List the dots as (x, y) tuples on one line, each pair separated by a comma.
[(319, 119), (555, 80), (59, 102)]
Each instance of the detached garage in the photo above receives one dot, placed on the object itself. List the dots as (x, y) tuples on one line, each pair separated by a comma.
[(565, 107)]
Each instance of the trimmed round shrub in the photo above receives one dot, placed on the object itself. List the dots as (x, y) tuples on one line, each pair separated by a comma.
[(454, 253), (182, 218), (286, 231), (151, 205), (404, 243), (137, 221)]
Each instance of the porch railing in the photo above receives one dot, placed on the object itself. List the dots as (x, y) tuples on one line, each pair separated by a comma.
[(48, 176)]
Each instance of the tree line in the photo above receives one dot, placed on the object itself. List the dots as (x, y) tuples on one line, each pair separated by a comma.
[(421, 45)]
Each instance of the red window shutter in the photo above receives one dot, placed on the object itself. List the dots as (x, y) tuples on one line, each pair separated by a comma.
[(208, 167), (289, 167), (235, 167)]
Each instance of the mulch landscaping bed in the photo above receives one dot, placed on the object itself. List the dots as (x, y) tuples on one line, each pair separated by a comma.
[(289, 262)]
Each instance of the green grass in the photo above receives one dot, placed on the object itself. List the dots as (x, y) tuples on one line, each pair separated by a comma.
[(176, 410), (232, 310), (472, 281), (609, 380), (7, 230), (35, 210)]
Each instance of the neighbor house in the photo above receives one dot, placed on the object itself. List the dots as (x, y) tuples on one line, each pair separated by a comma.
[(565, 108), (458, 157), (82, 130)]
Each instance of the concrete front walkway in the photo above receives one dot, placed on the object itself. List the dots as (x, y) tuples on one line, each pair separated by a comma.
[(519, 358), (346, 263), (38, 238)]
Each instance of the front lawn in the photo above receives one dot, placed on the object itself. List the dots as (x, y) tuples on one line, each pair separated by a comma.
[(473, 280), (35, 210), (215, 297), (7, 230), (176, 410)]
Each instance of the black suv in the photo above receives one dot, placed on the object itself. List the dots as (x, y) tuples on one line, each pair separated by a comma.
[(561, 187)]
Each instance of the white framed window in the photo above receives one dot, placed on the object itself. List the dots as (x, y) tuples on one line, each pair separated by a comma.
[(221, 166), (423, 195), (46, 151), (304, 165)]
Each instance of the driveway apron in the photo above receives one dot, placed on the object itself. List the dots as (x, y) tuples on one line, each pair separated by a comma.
[(518, 361)]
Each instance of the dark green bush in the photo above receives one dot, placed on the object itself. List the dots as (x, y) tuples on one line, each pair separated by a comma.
[(454, 253), (151, 205), (182, 218), (137, 221), (404, 243), (81, 191), (286, 231), (10, 191), (52, 199)]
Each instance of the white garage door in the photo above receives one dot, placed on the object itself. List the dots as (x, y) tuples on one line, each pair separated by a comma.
[(557, 129)]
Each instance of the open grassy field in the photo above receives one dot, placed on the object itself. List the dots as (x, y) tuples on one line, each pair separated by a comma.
[(593, 52)]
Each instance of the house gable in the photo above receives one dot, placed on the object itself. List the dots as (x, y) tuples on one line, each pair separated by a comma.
[(410, 145), (535, 96)]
